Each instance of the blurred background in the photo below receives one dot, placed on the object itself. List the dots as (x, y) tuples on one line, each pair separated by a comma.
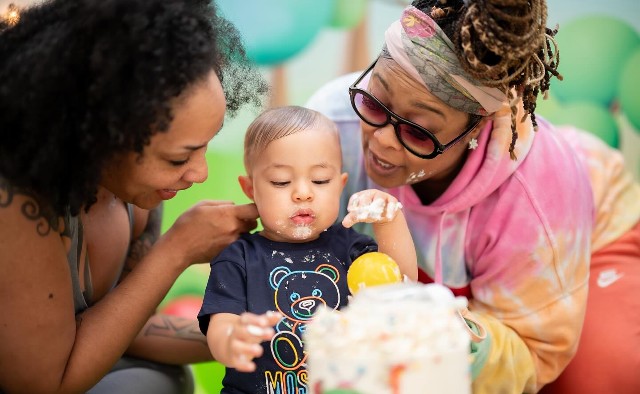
[(300, 45)]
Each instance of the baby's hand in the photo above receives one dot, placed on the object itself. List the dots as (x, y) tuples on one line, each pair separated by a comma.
[(245, 337), (371, 206)]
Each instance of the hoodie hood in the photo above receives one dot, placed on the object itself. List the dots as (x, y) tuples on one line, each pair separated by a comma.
[(486, 168)]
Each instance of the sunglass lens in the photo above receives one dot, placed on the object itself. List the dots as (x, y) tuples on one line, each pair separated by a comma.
[(369, 109), (416, 140)]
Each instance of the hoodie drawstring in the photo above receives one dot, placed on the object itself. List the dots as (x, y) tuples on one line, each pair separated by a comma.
[(438, 264)]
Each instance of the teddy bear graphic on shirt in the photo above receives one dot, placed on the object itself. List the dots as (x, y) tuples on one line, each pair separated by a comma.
[(298, 294)]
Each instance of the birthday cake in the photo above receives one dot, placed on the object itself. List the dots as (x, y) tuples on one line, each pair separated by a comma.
[(391, 339)]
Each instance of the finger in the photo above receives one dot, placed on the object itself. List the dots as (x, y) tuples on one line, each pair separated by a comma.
[(247, 351), (392, 209), (256, 328), (354, 202), (243, 364), (215, 203), (260, 332), (246, 211), (366, 197), (349, 220), (273, 317), (248, 225), (250, 318), (243, 353)]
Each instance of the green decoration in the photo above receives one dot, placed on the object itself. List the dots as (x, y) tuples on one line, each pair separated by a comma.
[(222, 184), (208, 377), (628, 86), (547, 108), (191, 282), (590, 117), (276, 30), (348, 13), (593, 51)]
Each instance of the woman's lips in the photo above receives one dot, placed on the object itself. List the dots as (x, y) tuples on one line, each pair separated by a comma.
[(167, 194), (303, 217), (380, 166)]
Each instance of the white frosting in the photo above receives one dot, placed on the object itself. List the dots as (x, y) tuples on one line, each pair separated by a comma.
[(413, 177), (374, 210), (302, 232), (391, 339)]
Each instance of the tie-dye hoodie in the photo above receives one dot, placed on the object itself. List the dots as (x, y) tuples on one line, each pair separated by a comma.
[(515, 237)]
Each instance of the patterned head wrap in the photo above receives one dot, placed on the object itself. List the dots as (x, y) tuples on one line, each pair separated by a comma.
[(423, 50)]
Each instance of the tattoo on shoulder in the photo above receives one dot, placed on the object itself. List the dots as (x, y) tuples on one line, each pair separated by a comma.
[(154, 223), (138, 249), (141, 245), (175, 327), (32, 209)]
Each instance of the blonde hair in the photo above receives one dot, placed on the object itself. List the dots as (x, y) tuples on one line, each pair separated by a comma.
[(280, 122)]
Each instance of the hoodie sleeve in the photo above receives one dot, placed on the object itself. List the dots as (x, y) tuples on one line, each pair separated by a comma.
[(615, 191), (529, 260)]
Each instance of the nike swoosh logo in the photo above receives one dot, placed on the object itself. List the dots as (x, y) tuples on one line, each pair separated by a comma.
[(608, 277)]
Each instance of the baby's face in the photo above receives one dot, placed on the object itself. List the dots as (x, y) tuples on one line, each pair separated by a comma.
[(297, 181)]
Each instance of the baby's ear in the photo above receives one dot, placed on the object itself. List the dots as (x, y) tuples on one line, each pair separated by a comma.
[(246, 184)]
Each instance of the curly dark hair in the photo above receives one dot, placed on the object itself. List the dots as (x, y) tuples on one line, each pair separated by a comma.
[(502, 43), (83, 80)]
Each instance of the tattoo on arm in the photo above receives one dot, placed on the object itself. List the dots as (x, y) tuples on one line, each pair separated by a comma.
[(141, 245), (46, 219), (175, 327)]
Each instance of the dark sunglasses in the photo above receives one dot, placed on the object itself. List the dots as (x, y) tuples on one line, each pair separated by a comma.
[(415, 138)]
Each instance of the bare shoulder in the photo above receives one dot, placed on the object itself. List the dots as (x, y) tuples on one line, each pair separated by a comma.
[(140, 221), (35, 300), (17, 204)]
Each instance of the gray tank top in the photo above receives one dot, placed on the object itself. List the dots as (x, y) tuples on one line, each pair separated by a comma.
[(82, 299)]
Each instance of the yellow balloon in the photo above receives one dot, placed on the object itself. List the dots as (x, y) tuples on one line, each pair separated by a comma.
[(372, 269)]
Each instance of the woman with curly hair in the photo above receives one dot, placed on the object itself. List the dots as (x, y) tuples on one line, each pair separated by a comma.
[(106, 110), (538, 226)]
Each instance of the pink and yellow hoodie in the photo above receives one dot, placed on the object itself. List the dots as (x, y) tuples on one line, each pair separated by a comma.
[(515, 237)]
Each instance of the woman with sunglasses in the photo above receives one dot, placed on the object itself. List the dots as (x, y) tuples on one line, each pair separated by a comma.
[(538, 226)]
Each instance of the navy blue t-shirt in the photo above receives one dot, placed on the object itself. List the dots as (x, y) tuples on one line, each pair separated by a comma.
[(255, 274)]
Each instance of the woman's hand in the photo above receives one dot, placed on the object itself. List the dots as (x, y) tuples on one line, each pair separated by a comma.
[(371, 206), (242, 335), (204, 230)]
